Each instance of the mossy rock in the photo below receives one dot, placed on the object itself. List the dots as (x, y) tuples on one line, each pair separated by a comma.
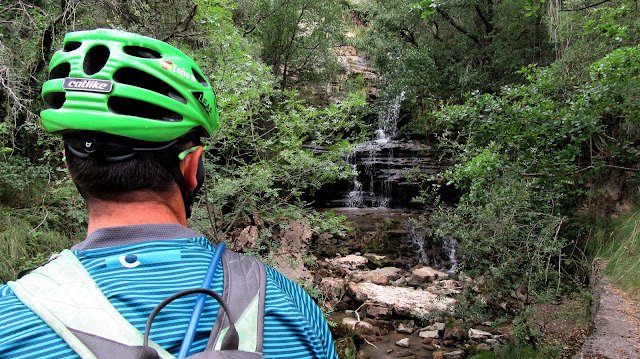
[(346, 348), (346, 340)]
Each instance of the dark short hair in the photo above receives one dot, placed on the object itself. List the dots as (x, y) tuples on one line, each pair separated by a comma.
[(97, 176)]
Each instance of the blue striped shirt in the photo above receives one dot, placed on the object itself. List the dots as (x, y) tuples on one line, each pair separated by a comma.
[(294, 327)]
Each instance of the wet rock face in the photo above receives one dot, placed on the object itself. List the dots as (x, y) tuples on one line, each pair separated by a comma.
[(384, 170)]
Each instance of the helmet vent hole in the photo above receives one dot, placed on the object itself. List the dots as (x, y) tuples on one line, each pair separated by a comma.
[(71, 45), (60, 71), (137, 78), (95, 59), (55, 100), (200, 78), (132, 107), (142, 52)]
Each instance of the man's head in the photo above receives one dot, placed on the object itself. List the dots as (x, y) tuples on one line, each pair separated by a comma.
[(127, 106)]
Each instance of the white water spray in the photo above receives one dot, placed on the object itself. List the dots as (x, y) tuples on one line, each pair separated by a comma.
[(416, 239), (374, 190), (450, 246)]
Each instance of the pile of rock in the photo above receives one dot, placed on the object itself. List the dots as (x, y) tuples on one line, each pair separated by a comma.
[(452, 341), (382, 304), (388, 291)]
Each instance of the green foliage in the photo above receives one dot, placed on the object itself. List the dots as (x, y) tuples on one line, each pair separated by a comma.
[(20, 180), (614, 93), (24, 244), (511, 235), (608, 22), (532, 7), (519, 131), (444, 49), (483, 354), (522, 157), (38, 214), (588, 33), (517, 350), (267, 164), (295, 36), (329, 222)]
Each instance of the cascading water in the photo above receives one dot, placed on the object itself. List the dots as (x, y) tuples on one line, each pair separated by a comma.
[(380, 167), (450, 246), (418, 250), (415, 237), (373, 187), (388, 125)]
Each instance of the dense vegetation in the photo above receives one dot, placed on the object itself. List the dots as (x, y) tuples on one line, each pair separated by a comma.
[(259, 57), (536, 101)]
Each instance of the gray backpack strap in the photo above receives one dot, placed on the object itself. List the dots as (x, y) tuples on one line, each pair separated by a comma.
[(245, 288)]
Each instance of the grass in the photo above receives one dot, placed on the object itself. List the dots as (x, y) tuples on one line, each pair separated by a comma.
[(619, 244), (26, 243), (40, 212)]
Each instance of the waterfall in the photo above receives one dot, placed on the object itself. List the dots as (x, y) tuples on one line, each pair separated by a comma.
[(388, 122), (380, 167), (354, 197), (445, 260), (372, 187), (415, 235), (450, 246)]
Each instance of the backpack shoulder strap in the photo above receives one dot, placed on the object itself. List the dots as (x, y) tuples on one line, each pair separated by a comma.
[(63, 294), (245, 283)]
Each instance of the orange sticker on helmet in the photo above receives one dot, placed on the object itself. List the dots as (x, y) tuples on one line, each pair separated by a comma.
[(167, 65)]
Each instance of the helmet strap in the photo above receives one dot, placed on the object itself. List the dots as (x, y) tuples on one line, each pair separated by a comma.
[(113, 152)]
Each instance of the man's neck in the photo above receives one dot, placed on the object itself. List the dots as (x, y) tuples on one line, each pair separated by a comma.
[(143, 207)]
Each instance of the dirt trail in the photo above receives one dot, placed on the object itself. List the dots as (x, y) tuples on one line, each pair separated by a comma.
[(614, 322)]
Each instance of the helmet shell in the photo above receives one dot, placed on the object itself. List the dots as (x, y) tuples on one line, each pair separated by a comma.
[(128, 85)]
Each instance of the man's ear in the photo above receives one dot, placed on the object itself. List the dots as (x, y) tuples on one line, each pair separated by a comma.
[(189, 167)]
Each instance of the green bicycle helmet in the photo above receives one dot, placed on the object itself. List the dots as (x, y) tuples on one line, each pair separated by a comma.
[(124, 84), (113, 94)]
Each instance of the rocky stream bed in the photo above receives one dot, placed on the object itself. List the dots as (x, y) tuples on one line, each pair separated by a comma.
[(385, 302)]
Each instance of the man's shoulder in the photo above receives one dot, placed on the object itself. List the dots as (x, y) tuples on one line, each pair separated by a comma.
[(295, 314), (19, 325), (11, 308)]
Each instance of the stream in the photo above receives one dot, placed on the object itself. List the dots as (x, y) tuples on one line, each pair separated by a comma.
[(377, 203)]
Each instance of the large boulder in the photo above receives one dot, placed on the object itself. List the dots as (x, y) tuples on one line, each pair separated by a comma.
[(377, 261), (448, 287), (362, 327), (404, 301), (333, 287), (350, 262), (294, 240), (403, 343), (436, 326), (431, 334), (405, 327), (423, 275), (455, 330), (381, 276), (477, 334)]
